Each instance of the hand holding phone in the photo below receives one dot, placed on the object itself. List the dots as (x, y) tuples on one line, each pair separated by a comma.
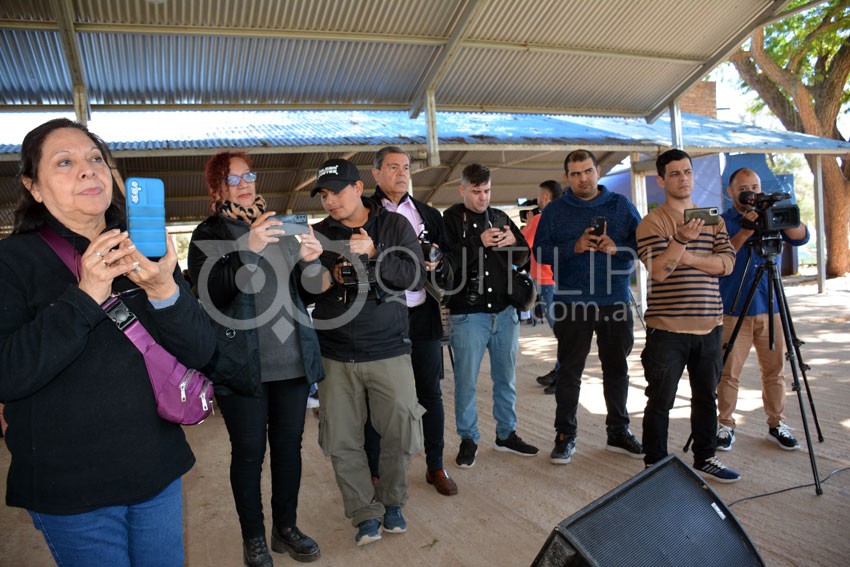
[(598, 224), (292, 224), (708, 215), (146, 215)]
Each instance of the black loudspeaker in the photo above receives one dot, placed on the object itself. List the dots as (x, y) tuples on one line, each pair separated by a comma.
[(666, 515)]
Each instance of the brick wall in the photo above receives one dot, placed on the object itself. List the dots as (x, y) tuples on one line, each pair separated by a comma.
[(700, 99)]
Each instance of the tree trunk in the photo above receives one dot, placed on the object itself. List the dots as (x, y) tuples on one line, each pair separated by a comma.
[(836, 209)]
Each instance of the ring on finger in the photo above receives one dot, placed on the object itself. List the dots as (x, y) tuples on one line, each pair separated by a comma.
[(137, 269)]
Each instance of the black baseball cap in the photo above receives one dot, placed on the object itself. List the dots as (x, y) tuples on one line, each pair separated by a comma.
[(336, 175)]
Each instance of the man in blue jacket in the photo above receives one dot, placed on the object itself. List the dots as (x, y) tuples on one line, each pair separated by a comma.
[(741, 224), (588, 236)]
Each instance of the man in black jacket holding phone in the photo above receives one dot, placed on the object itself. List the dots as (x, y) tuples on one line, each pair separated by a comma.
[(392, 174), (485, 243)]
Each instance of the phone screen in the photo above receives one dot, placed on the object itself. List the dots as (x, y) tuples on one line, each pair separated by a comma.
[(146, 215)]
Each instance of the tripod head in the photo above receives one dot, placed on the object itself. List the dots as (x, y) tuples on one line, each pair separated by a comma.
[(769, 244)]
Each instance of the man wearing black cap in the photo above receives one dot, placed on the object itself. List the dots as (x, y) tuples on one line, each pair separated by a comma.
[(372, 257), (392, 175)]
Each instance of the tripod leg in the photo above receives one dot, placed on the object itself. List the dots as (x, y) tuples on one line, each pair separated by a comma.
[(803, 366), (785, 318)]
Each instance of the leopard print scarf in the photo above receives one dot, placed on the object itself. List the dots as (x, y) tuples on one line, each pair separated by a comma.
[(236, 211)]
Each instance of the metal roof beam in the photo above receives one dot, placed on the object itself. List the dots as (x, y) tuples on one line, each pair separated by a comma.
[(719, 56), (71, 48), (446, 55)]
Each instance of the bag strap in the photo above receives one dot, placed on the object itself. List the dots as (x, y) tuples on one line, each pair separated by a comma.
[(115, 309)]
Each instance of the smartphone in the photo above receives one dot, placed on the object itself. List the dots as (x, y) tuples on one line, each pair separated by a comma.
[(708, 214), (598, 224), (293, 224), (146, 215)]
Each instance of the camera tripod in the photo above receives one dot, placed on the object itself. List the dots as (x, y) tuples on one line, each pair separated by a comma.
[(770, 246)]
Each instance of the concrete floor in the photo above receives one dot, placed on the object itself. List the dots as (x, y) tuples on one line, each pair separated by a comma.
[(508, 505)]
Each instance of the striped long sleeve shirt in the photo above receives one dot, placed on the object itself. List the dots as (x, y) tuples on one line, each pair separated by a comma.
[(688, 300)]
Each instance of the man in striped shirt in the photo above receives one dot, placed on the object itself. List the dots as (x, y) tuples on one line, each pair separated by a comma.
[(684, 315)]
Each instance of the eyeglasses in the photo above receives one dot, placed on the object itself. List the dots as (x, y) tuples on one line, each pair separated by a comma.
[(233, 180)]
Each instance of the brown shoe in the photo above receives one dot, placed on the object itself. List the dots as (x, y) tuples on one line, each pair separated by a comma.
[(441, 481)]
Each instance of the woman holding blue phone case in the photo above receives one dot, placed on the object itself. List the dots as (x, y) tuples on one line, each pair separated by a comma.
[(247, 273), (92, 462)]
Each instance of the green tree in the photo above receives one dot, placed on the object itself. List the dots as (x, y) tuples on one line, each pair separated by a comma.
[(799, 66)]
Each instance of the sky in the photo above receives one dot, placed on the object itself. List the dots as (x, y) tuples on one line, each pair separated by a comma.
[(731, 103)]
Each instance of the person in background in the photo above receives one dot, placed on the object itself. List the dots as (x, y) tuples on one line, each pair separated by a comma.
[(741, 224), (247, 268), (485, 243), (542, 273), (93, 463), (684, 315), (371, 259), (592, 264), (392, 174)]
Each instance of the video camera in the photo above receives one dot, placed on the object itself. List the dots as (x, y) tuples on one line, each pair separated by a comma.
[(771, 218), (524, 214)]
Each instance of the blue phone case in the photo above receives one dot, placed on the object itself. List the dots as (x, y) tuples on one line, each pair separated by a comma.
[(146, 215)]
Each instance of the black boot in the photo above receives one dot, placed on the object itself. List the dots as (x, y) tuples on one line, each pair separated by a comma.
[(299, 546), (255, 553)]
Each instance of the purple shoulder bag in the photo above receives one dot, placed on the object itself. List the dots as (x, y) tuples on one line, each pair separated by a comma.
[(183, 395)]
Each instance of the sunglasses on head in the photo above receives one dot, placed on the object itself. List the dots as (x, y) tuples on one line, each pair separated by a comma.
[(233, 180)]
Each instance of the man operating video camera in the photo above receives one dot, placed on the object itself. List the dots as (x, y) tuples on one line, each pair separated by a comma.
[(751, 221)]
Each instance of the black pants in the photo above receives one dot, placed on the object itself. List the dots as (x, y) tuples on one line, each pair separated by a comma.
[(664, 358), (280, 412), (575, 324), (427, 359)]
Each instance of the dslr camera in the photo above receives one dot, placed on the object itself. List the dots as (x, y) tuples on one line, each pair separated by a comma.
[(348, 272), (771, 218), (430, 250)]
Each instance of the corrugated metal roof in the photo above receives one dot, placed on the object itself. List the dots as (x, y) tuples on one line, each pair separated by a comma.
[(271, 132), (287, 148), (611, 57)]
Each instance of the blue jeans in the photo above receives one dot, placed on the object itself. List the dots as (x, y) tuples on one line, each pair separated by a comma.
[(148, 534), (664, 358), (472, 334)]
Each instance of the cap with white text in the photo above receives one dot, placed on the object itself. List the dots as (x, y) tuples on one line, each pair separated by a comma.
[(335, 175)]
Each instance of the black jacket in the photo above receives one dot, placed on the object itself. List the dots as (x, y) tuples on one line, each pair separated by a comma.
[(83, 428), (425, 321), (235, 366), (470, 258), (375, 325)]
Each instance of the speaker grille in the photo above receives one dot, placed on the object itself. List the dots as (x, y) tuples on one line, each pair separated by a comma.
[(666, 515)]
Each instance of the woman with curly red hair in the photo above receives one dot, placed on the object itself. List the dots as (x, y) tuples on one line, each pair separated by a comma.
[(247, 271)]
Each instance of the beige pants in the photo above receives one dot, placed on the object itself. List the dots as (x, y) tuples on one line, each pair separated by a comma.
[(397, 417), (754, 332)]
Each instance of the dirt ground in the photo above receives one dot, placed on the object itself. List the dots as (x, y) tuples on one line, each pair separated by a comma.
[(508, 505)]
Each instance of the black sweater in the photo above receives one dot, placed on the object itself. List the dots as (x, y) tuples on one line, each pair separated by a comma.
[(470, 258), (83, 428)]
